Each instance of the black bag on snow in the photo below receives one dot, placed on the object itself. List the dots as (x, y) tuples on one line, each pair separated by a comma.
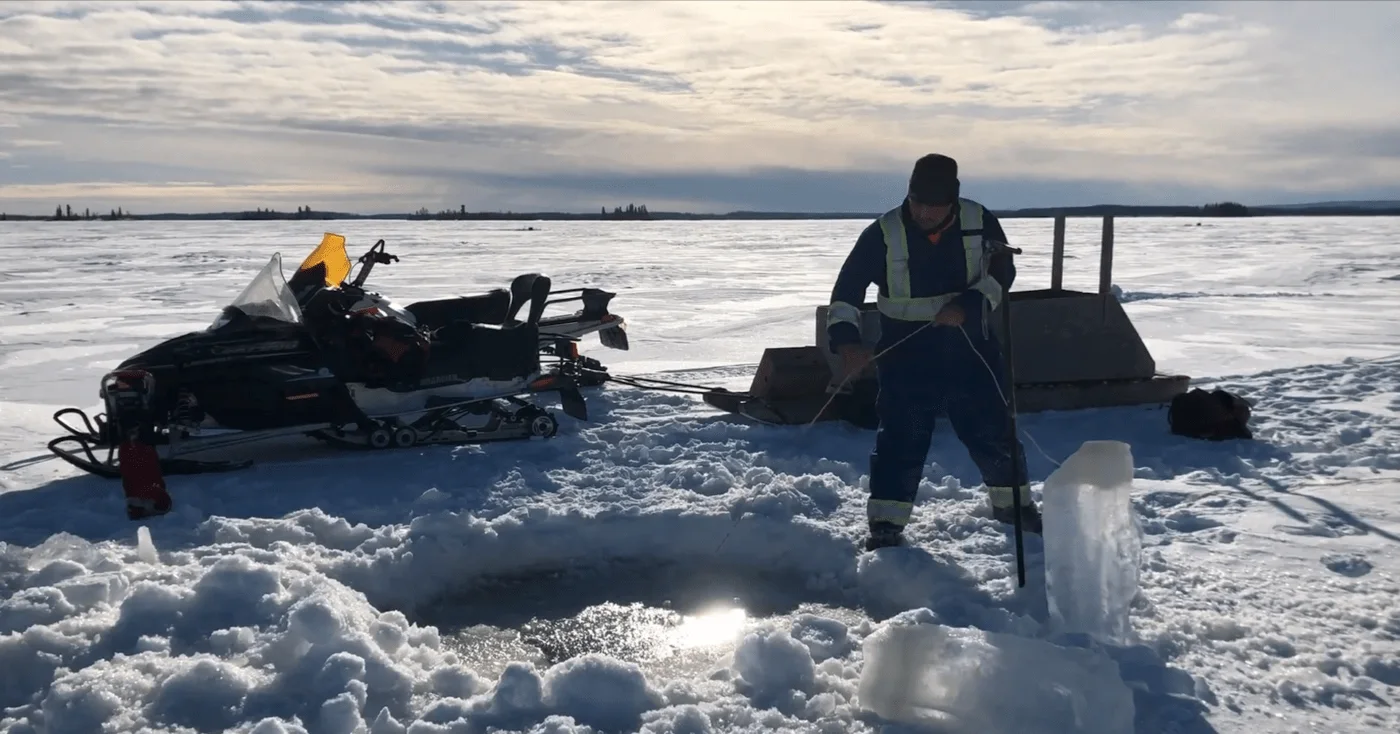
[(1215, 416)]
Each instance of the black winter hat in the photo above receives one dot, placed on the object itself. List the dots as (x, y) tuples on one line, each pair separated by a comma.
[(934, 180)]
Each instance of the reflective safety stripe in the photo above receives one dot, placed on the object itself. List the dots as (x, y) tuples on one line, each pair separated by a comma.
[(890, 511), (840, 312), (1004, 497), (977, 257), (900, 303)]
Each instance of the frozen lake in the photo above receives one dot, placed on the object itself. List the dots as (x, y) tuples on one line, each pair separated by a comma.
[(345, 590)]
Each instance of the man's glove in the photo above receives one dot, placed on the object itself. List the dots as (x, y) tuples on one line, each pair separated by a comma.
[(950, 315)]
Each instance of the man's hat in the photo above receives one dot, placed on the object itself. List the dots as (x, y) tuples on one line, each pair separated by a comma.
[(934, 180)]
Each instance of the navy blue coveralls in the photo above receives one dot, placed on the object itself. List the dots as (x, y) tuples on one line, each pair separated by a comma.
[(935, 369)]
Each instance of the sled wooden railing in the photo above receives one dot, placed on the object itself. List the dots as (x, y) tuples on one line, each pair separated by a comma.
[(1057, 258), (1057, 262), (1106, 258)]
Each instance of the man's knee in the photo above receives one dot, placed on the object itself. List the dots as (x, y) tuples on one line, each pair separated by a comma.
[(897, 443), (900, 450), (980, 422), (905, 417)]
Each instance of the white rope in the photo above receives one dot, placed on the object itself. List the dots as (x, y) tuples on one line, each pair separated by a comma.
[(837, 390), (1005, 401), (834, 392)]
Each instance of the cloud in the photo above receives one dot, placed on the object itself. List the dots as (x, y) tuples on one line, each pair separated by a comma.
[(182, 191), (501, 101)]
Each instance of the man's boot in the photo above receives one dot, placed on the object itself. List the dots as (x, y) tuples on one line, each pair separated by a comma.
[(1030, 516), (884, 535)]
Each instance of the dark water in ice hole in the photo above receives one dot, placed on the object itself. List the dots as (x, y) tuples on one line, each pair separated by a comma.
[(673, 621)]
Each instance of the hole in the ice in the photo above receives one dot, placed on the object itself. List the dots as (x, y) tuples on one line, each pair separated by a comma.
[(670, 620)]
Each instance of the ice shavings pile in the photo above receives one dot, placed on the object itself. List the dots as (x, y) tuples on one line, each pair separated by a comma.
[(250, 640)]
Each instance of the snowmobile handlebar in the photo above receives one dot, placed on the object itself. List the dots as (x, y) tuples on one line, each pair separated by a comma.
[(375, 254)]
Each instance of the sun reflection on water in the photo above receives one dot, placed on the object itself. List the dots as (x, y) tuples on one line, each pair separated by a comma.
[(718, 626)]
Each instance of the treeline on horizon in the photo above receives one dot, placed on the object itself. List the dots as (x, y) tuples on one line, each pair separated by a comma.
[(65, 213), (639, 212)]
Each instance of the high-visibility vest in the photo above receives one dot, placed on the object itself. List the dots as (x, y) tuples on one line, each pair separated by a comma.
[(900, 303)]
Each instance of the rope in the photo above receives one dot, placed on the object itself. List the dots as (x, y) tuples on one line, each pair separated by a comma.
[(834, 392), (837, 390), (1004, 400), (640, 383)]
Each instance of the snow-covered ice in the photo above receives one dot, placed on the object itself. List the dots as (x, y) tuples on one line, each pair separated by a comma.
[(666, 568), (1093, 544)]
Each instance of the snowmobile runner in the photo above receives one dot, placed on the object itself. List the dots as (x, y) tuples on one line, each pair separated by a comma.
[(321, 356)]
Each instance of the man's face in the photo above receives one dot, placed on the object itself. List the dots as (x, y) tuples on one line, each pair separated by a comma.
[(928, 216)]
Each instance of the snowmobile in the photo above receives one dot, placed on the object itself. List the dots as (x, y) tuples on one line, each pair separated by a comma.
[(319, 355)]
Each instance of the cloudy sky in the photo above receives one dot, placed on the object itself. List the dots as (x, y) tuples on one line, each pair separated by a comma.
[(704, 106)]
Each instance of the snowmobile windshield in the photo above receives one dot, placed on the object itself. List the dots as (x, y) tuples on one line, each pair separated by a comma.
[(267, 295), (331, 254)]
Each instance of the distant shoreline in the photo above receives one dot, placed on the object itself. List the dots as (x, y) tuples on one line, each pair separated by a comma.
[(1114, 210)]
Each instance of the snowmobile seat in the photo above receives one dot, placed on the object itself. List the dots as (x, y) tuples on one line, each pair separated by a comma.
[(472, 351), (491, 307)]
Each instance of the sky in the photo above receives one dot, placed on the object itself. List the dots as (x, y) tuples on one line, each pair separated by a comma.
[(707, 106)]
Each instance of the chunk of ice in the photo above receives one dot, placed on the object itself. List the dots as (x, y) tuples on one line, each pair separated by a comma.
[(968, 680), (1093, 545), (145, 549)]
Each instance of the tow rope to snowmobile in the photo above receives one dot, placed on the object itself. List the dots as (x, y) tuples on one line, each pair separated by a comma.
[(684, 388)]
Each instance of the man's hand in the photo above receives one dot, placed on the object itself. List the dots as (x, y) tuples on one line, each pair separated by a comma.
[(950, 315), (854, 358)]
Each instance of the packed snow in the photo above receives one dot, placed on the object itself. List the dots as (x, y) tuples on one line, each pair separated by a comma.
[(667, 568)]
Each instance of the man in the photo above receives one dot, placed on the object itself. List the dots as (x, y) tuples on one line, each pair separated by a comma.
[(929, 260)]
